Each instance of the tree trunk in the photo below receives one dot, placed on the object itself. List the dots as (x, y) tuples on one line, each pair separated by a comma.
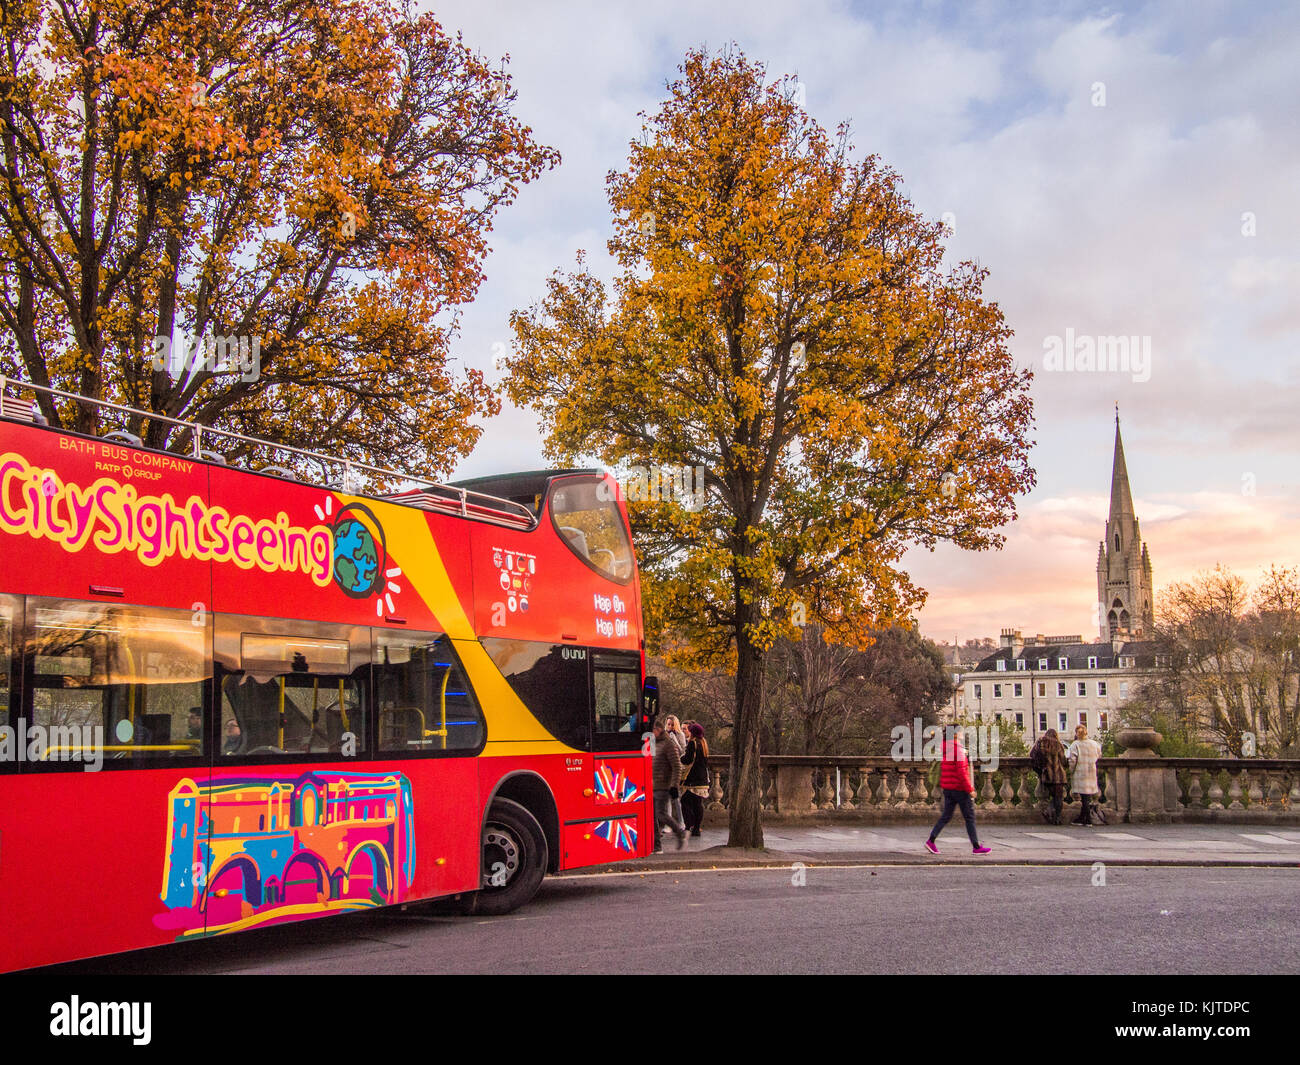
[(746, 770)]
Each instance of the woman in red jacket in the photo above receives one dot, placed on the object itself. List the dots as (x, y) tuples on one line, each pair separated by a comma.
[(958, 789)]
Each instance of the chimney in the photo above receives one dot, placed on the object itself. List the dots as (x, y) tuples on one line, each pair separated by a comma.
[(1012, 638)]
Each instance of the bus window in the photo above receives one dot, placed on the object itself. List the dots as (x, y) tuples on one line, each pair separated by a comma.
[(592, 527), (135, 673), (423, 697), (10, 620), (616, 687), (289, 693), (551, 681)]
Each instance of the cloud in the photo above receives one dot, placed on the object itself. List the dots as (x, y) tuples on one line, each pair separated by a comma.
[(1045, 578), (1168, 213)]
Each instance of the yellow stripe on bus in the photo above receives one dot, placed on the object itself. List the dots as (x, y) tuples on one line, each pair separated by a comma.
[(511, 728)]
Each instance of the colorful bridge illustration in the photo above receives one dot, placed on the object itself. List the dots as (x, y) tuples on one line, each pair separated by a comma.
[(253, 850)]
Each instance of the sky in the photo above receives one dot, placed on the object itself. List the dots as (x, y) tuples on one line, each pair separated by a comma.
[(1121, 171)]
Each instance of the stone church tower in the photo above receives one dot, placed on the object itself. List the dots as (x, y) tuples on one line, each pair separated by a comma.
[(1124, 588)]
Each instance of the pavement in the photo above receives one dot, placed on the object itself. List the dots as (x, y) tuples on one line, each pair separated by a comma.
[(1187, 845)]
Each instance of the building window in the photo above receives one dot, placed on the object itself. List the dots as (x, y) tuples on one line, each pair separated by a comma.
[(1103, 720), (1101, 687), (979, 691), (1042, 721), (1042, 690), (1060, 689), (997, 715), (1083, 718), (1083, 688), (1123, 689), (1019, 690), (1020, 722), (1126, 662), (1020, 664), (1062, 721), (1002, 665), (997, 691), (1042, 663), (1062, 663), (1092, 661)]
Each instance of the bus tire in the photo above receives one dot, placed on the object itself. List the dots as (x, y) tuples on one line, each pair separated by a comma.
[(514, 860)]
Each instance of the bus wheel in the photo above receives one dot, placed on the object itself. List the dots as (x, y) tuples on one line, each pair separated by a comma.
[(514, 860)]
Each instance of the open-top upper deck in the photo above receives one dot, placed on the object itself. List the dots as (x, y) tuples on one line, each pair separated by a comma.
[(339, 474)]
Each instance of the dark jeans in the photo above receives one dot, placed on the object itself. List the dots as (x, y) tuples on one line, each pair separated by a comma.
[(951, 800), (692, 811), (1058, 798), (664, 814), (1085, 815)]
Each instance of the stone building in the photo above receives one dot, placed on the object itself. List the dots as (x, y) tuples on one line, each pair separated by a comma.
[(1055, 682)]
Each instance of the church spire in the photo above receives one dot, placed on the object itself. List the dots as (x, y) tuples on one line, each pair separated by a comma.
[(1121, 496), (1124, 587)]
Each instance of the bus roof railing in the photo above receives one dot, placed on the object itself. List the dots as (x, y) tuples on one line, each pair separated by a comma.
[(432, 495)]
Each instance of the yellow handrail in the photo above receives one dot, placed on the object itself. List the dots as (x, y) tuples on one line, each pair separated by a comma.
[(122, 747), (442, 705), (281, 743)]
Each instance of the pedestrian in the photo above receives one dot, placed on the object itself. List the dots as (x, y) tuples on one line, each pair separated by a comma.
[(958, 791), (1083, 755), (673, 726), (695, 786), (1048, 761), (666, 774)]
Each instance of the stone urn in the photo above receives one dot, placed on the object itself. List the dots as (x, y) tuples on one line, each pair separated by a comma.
[(1138, 741)]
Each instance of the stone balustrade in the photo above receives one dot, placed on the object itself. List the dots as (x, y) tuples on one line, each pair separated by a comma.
[(877, 789)]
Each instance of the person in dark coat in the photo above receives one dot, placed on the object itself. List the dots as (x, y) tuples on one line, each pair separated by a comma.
[(666, 775), (695, 787), (1048, 760)]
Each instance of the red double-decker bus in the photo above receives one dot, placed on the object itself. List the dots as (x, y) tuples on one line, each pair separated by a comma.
[(231, 698)]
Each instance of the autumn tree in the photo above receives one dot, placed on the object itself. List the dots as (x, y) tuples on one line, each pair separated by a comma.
[(782, 319), (312, 182), (841, 699), (1229, 660)]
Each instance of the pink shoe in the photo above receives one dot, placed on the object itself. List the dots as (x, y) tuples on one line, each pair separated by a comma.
[(929, 845), (980, 850)]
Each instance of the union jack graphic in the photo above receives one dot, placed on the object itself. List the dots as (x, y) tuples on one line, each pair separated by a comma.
[(613, 786), (620, 833)]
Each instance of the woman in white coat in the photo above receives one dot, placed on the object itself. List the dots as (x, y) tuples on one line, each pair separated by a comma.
[(1083, 754)]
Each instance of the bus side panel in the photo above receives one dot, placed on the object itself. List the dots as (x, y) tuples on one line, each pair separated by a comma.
[(530, 586), (89, 519), (87, 860), (447, 814), (299, 841), (337, 561), (592, 831)]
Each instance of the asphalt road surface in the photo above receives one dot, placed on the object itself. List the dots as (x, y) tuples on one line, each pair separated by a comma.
[(887, 919)]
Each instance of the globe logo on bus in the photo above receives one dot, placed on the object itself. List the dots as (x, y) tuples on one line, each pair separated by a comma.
[(359, 552)]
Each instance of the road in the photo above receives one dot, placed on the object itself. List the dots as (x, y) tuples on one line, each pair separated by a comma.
[(994, 919)]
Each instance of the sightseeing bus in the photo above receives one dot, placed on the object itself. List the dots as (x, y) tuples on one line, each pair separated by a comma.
[(231, 698)]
